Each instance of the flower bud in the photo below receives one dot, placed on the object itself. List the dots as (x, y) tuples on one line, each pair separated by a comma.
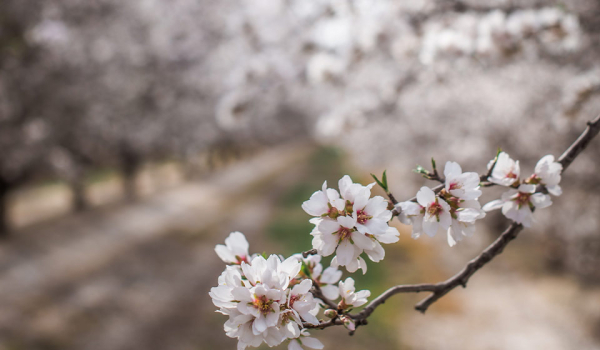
[(331, 313)]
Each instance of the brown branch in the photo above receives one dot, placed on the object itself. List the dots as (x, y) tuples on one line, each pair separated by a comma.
[(461, 278), (593, 127), (318, 293), (309, 252), (322, 325)]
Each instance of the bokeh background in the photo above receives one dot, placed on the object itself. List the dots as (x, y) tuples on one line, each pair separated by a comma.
[(135, 135)]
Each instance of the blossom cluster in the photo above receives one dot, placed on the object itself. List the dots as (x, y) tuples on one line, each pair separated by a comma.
[(453, 210), (350, 222), (525, 195), (270, 300), (262, 297)]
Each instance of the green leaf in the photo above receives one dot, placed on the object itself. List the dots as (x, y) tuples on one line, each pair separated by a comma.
[(379, 183), (306, 270), (433, 164), (384, 179)]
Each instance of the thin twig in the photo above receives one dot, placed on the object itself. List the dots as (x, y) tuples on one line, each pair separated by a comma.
[(309, 252), (322, 325)]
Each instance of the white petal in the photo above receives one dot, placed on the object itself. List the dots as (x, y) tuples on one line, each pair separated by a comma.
[(317, 204), (362, 264), (328, 226), (376, 226), (493, 205), (430, 227), (555, 190), (540, 200), (527, 188), (346, 221), (377, 253), (237, 243), (391, 235), (302, 288), (225, 254), (452, 170), (330, 291), (345, 252), (312, 343), (425, 196), (259, 325), (294, 345), (362, 241), (445, 220)]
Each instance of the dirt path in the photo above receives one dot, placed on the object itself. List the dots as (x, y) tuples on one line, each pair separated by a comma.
[(119, 278)]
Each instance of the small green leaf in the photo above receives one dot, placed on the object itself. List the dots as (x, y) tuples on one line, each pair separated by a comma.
[(306, 270), (379, 182), (384, 179), (433, 163)]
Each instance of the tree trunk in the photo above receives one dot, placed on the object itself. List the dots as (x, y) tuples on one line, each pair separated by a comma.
[(80, 202), (4, 187), (130, 164)]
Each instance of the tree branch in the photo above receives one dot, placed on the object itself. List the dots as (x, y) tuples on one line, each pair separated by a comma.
[(593, 127), (317, 293), (461, 278)]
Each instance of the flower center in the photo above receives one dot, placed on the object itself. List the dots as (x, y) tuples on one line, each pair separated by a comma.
[(263, 304), (333, 213), (362, 217), (533, 179), (241, 259), (454, 186), (434, 209), (349, 206), (293, 299), (522, 198), (344, 233), (511, 175)]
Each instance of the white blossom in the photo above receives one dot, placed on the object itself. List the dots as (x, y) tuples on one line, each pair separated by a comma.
[(463, 222), (547, 172), (235, 250), (506, 171), (349, 296), (303, 303), (437, 212), (327, 279), (517, 205), (412, 213), (454, 210), (260, 303), (462, 185), (341, 236), (350, 223), (354, 265), (324, 203)]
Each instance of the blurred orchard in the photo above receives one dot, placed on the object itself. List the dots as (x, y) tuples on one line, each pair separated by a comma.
[(136, 135)]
